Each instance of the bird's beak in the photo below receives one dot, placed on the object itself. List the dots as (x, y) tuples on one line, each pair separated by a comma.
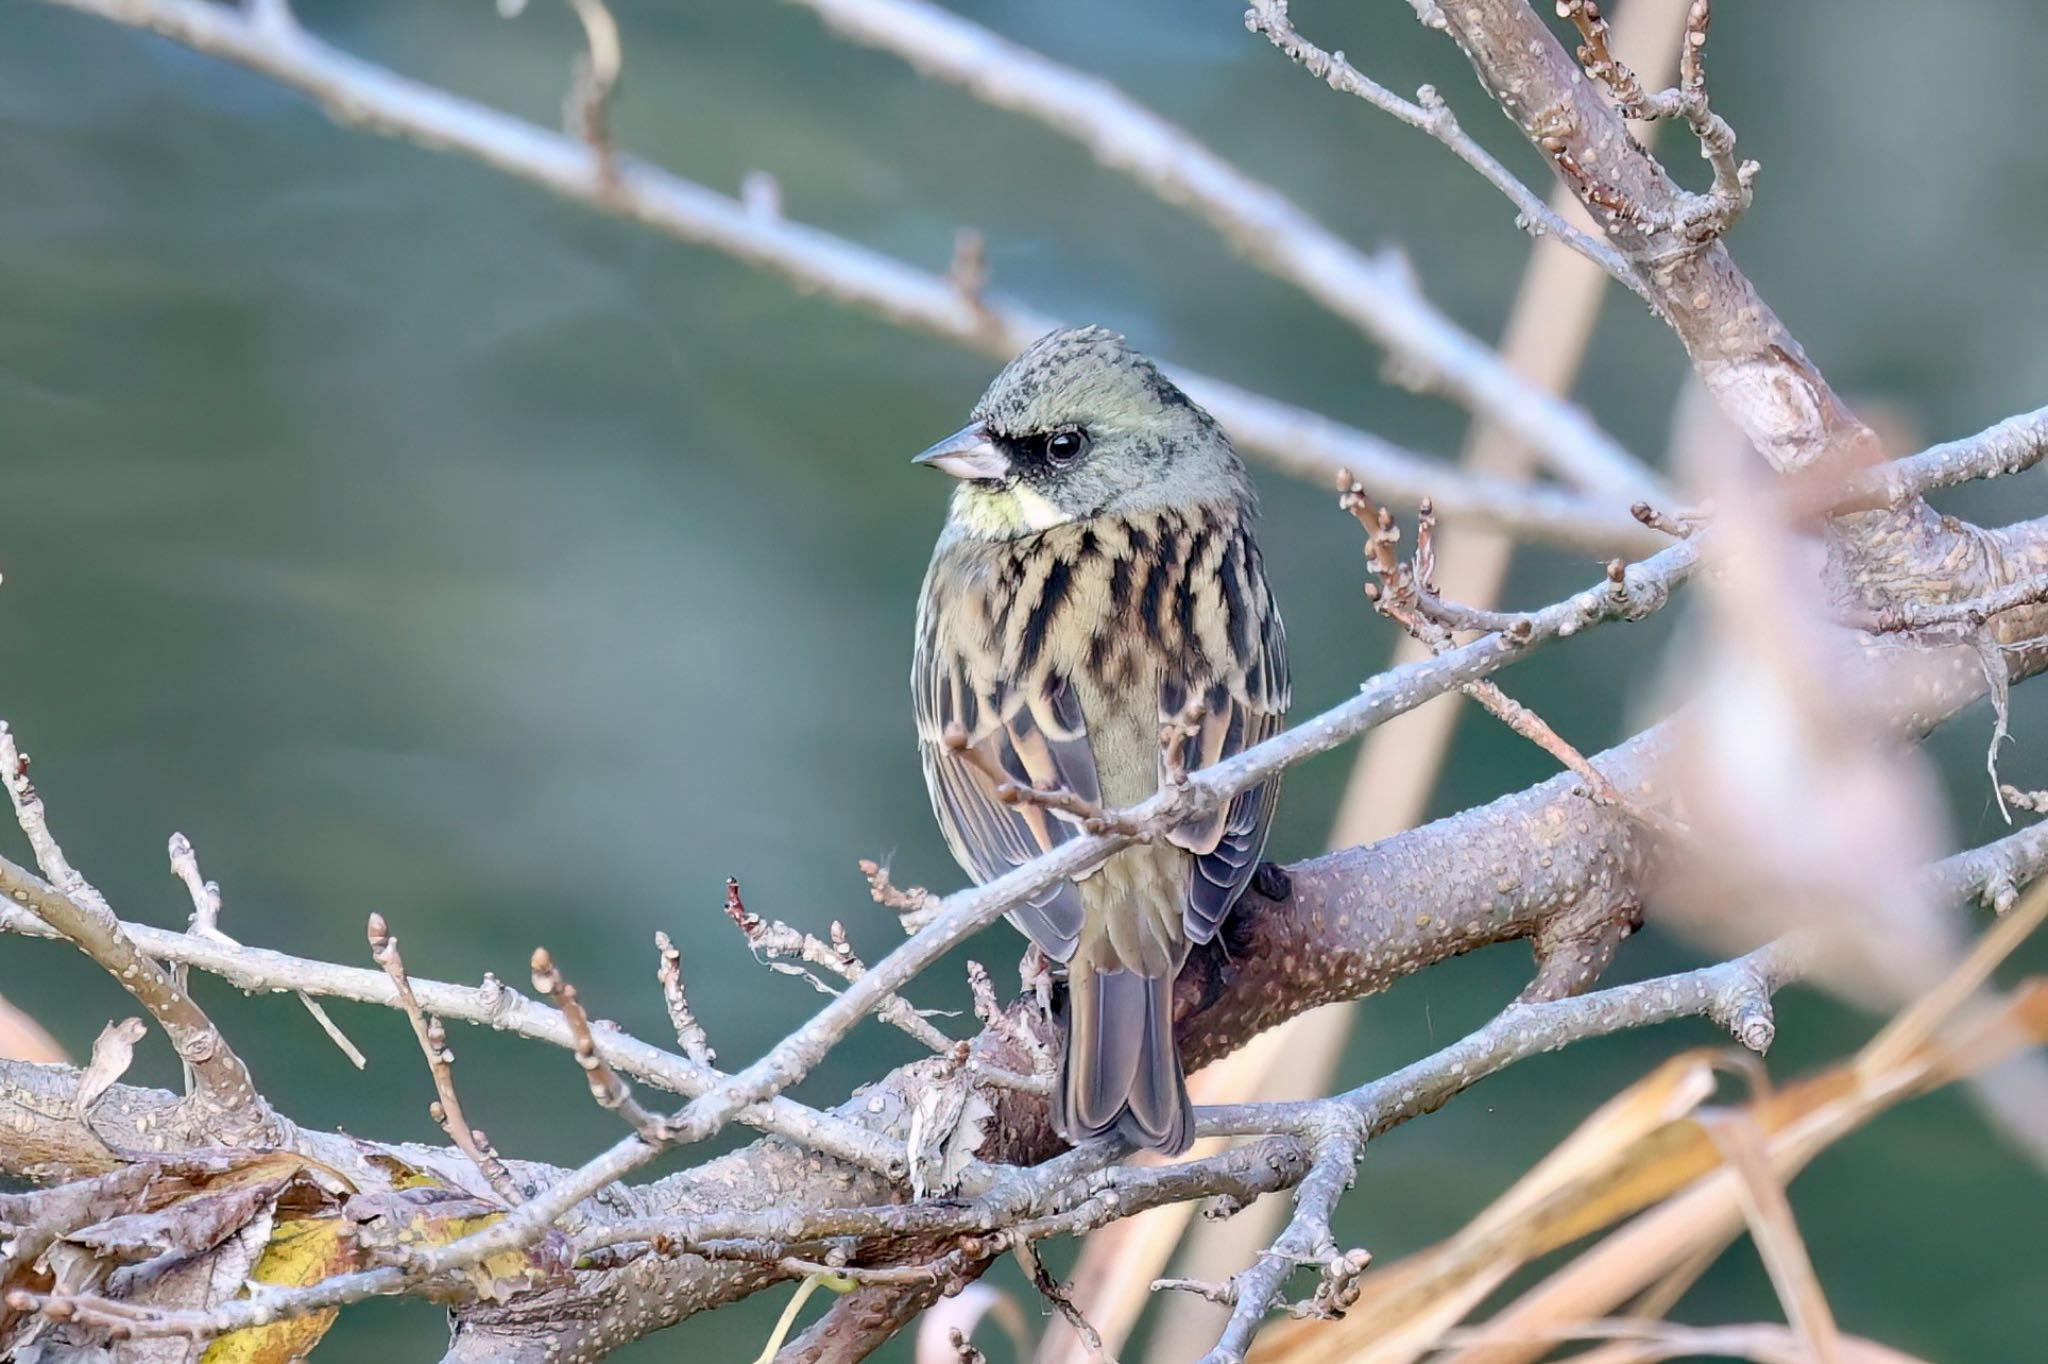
[(967, 453)]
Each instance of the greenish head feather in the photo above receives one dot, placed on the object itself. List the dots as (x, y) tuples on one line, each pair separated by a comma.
[(1142, 444)]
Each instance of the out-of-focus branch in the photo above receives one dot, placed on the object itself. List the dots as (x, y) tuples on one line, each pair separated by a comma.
[(224, 1102), (1377, 295), (361, 94)]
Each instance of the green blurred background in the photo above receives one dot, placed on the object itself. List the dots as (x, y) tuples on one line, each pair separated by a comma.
[(418, 543)]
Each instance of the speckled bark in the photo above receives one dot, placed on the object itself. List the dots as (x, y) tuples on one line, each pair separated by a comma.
[(1546, 864)]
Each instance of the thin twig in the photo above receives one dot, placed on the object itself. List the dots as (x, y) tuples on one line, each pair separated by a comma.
[(1430, 114), (1375, 293), (1402, 592), (1091, 816), (1706, 216), (446, 1110), (690, 1034), (780, 947), (205, 923), (224, 1099), (1968, 614), (606, 1088), (492, 1004), (913, 905)]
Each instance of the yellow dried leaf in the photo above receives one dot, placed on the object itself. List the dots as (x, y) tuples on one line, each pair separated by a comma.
[(299, 1252)]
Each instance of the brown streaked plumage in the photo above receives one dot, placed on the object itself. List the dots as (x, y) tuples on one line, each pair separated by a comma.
[(1096, 574)]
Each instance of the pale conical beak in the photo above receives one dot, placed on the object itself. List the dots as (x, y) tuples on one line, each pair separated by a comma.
[(967, 453)]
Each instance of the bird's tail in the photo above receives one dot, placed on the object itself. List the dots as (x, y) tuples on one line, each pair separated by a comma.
[(1122, 1069)]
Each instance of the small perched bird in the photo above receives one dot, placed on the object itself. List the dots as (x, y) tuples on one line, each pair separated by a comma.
[(1096, 582)]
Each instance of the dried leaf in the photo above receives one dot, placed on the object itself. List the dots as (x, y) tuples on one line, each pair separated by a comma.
[(1655, 1153), (113, 1051), (177, 1233), (436, 1215), (298, 1252), (946, 1129)]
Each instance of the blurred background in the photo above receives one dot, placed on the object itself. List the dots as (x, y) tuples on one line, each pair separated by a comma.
[(418, 543)]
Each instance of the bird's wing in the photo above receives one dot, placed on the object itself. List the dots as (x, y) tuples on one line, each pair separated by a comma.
[(1240, 676), (1032, 730)]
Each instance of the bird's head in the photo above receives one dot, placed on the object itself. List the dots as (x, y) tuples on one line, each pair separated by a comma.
[(1081, 426)]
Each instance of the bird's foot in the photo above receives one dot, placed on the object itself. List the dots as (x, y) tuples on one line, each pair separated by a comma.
[(1271, 881), (1035, 976)]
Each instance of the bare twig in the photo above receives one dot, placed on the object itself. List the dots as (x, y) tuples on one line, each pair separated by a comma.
[(780, 947), (492, 1004), (690, 1034), (609, 1091), (205, 923), (446, 1110), (1402, 592), (1957, 617), (1174, 737), (1335, 1147), (1431, 115), (1712, 214), (1063, 1302), (224, 1100), (914, 905), (1089, 815), (586, 110), (2011, 446)]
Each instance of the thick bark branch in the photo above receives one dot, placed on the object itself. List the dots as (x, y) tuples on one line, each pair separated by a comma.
[(1747, 358)]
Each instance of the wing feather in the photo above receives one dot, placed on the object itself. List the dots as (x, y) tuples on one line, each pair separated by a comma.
[(1244, 691), (1032, 732)]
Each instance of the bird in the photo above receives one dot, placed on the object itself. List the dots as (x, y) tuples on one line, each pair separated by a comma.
[(1097, 581)]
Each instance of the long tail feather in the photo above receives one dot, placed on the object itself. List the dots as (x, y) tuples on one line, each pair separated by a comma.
[(1122, 1070)]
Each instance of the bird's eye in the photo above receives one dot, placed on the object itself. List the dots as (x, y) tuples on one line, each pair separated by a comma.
[(1065, 446)]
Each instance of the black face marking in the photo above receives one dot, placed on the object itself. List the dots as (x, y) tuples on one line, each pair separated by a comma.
[(1057, 579)]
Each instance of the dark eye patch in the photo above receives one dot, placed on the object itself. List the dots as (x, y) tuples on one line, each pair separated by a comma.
[(1037, 454)]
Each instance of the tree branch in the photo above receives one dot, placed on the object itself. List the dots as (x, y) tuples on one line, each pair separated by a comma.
[(1375, 294), (1747, 358), (224, 1102), (360, 94)]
